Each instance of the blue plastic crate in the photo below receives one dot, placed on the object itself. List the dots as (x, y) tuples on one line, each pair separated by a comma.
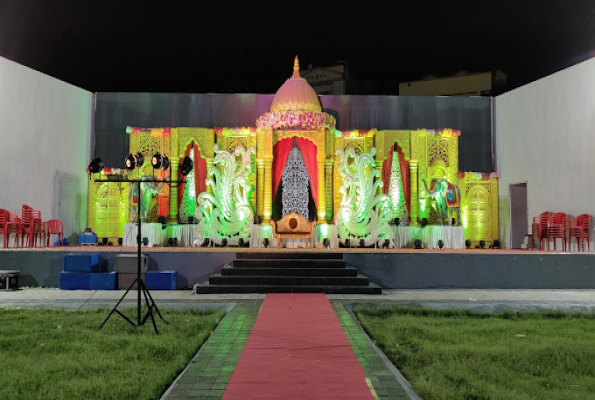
[(87, 239), (74, 280), (82, 263), (102, 280), (161, 280)]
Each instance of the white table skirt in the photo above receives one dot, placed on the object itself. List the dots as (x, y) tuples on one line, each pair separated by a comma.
[(259, 232), (158, 236), (453, 236)]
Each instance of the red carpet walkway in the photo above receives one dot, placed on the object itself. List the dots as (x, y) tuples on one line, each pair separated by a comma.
[(297, 350)]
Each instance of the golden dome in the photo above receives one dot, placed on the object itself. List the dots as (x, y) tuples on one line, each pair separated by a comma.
[(296, 94)]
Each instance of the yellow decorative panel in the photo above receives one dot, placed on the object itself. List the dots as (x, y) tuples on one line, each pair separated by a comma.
[(479, 208), (108, 207)]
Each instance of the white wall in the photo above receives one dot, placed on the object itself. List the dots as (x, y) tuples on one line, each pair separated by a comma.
[(545, 136), (45, 140)]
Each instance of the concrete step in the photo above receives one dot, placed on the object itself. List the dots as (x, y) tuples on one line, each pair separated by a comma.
[(327, 289), (288, 263), (290, 255), (290, 271), (219, 279)]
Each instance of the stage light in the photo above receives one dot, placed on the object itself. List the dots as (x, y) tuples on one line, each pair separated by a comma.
[(326, 242), (186, 166), (424, 222), (241, 242), (104, 241), (190, 219), (159, 161), (206, 242), (482, 244), (347, 243), (496, 244), (386, 244), (362, 243), (265, 242), (170, 241), (440, 244), (454, 221), (120, 241), (397, 221), (224, 242), (417, 244), (134, 161), (96, 165), (176, 241), (145, 241)]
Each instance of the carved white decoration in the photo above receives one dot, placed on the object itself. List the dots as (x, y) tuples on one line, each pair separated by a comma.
[(226, 213), (395, 192), (295, 184), (361, 214)]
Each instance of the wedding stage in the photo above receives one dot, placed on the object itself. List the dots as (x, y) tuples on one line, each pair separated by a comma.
[(391, 268)]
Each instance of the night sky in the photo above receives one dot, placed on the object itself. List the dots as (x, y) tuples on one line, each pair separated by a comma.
[(237, 47)]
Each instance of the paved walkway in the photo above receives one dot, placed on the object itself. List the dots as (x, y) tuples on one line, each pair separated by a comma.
[(207, 376)]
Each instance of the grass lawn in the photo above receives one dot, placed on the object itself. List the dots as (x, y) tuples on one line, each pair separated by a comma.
[(465, 355), (58, 354)]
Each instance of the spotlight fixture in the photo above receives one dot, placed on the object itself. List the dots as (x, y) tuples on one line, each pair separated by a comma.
[(96, 165), (362, 243), (265, 242), (205, 242), (347, 243), (468, 243), (186, 166), (175, 241), (145, 241), (104, 241), (417, 244), (170, 241), (496, 244), (440, 244), (159, 161), (454, 221), (224, 242), (326, 242), (241, 242), (424, 222), (386, 244), (120, 241), (190, 219), (134, 161), (482, 244), (397, 221)]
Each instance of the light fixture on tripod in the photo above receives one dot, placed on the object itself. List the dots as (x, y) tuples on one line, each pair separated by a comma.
[(159, 161), (134, 161), (96, 165)]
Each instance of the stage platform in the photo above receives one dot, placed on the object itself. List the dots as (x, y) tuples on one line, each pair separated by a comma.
[(387, 268)]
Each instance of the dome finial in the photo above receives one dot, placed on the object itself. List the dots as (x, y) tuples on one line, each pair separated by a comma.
[(296, 66)]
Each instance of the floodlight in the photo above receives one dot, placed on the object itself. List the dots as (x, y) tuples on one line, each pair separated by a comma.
[(134, 161), (186, 166), (96, 166), (160, 161)]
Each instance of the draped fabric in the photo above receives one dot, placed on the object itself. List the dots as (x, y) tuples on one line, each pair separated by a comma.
[(280, 154), (386, 169), (308, 150), (199, 170), (403, 165)]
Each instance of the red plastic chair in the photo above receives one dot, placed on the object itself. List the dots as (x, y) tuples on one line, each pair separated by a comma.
[(557, 227), (26, 219), (584, 222), (15, 226), (574, 231), (542, 228), (35, 229), (3, 221), (54, 226)]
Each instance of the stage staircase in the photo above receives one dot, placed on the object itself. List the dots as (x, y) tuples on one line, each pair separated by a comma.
[(288, 272)]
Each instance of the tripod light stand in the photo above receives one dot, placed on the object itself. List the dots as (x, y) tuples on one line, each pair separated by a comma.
[(135, 161)]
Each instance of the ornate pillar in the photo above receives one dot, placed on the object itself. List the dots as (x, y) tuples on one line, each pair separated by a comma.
[(268, 190), (260, 183), (329, 188), (173, 193), (413, 192), (210, 163), (379, 164), (321, 192)]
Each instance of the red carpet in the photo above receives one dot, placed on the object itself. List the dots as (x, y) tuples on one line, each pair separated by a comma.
[(297, 350)]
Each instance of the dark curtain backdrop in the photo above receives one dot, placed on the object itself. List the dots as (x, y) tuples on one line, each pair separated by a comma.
[(471, 115)]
